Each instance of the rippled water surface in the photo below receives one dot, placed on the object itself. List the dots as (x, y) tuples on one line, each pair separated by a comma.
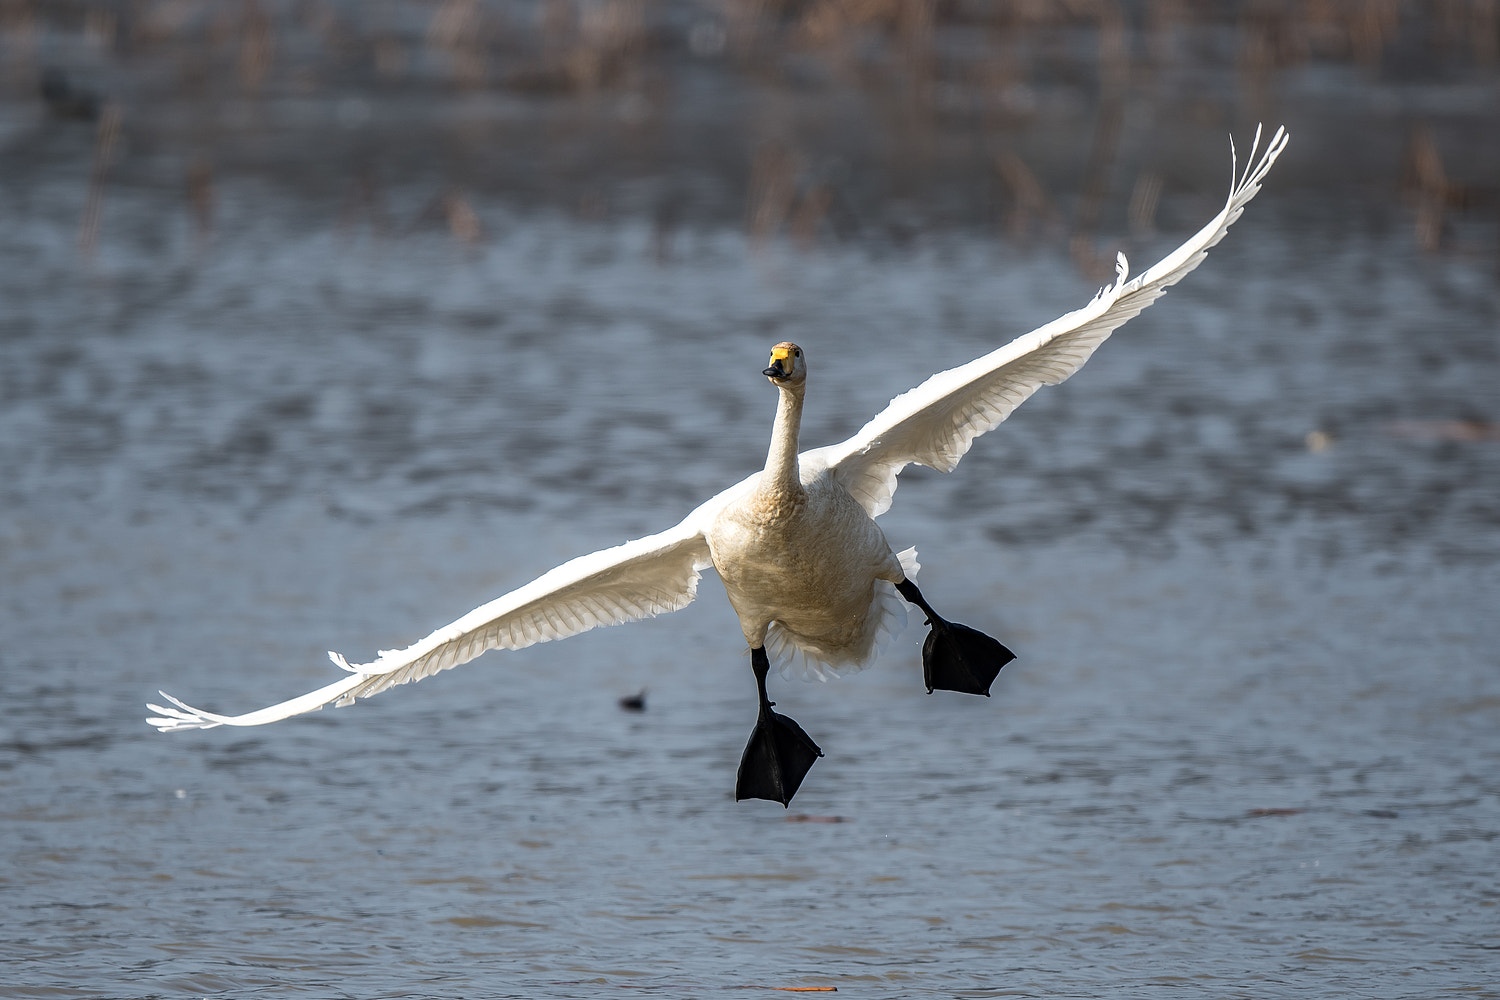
[(1250, 746)]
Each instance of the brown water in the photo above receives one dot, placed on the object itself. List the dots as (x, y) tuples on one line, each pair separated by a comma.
[(1249, 747)]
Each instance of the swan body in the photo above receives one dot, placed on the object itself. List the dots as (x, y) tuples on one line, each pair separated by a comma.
[(806, 568), (796, 552)]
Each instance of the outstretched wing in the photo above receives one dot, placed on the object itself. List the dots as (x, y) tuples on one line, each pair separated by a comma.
[(935, 423), (640, 579)]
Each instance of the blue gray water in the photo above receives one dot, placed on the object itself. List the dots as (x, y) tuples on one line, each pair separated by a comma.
[(1247, 558)]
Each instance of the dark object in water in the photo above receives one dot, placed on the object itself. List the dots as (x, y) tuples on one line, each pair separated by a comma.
[(65, 102), (634, 702)]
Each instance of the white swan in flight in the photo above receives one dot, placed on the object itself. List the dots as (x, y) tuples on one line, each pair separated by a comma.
[(806, 568)]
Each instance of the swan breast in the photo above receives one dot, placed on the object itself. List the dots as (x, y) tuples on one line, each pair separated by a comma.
[(807, 560)]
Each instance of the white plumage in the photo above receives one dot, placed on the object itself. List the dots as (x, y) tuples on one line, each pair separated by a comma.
[(778, 568)]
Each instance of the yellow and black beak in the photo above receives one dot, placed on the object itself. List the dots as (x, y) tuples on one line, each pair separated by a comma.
[(780, 364)]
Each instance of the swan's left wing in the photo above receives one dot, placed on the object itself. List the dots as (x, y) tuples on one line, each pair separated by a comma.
[(935, 423), (640, 579)]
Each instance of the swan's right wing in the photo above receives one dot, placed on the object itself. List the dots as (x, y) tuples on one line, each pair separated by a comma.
[(640, 579)]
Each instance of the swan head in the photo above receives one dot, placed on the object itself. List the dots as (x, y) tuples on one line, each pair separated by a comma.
[(787, 369)]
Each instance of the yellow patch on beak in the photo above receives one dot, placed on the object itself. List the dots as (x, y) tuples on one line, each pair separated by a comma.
[(780, 354)]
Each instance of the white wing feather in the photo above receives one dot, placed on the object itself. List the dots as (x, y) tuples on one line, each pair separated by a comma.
[(935, 423), (639, 579)]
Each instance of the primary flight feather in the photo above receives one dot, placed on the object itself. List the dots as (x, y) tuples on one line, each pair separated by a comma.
[(804, 564)]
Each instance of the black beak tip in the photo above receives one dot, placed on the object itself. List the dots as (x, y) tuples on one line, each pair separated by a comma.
[(774, 372)]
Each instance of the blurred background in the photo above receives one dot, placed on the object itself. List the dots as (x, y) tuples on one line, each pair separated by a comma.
[(323, 322), (817, 121)]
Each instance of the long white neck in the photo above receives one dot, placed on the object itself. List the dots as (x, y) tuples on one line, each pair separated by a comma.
[(782, 474)]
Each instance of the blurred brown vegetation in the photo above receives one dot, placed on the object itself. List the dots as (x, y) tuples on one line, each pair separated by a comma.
[(811, 119)]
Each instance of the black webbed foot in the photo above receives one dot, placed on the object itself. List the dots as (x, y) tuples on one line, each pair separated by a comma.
[(779, 753), (956, 657), (776, 759)]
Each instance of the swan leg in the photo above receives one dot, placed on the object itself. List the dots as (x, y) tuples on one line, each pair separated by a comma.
[(779, 753), (956, 657)]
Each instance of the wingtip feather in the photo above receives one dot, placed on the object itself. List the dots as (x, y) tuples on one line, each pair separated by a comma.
[(184, 716), (1244, 186)]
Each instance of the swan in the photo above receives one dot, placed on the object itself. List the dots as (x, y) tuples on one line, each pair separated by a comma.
[(806, 568)]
